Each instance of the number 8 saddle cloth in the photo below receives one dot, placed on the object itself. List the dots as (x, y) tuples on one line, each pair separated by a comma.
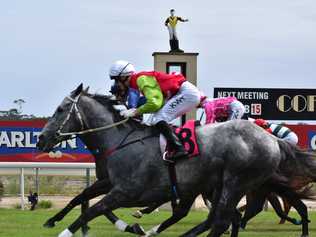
[(186, 135)]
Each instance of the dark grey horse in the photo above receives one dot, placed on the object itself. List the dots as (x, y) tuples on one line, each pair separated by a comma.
[(234, 158)]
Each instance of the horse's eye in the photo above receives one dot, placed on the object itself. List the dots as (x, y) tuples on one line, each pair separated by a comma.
[(60, 109)]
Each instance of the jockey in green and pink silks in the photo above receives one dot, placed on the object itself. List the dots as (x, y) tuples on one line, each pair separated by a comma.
[(168, 96)]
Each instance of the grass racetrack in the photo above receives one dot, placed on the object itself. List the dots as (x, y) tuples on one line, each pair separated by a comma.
[(16, 223)]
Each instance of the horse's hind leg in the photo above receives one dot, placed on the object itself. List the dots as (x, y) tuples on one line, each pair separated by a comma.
[(301, 208), (111, 201), (253, 207), (234, 188), (273, 199), (286, 211), (96, 189)]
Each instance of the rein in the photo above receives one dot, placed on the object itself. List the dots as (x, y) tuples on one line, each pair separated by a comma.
[(74, 107), (107, 152)]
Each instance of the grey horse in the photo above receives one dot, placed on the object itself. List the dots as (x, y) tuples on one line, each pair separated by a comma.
[(235, 157)]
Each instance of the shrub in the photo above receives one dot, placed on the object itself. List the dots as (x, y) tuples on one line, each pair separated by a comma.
[(1, 189), (45, 204), (17, 206)]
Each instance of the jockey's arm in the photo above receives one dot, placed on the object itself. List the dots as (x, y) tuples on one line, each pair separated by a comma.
[(182, 20), (167, 21), (133, 98), (151, 90)]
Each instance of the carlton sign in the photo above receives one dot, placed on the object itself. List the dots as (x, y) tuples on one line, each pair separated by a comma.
[(274, 104), (18, 144)]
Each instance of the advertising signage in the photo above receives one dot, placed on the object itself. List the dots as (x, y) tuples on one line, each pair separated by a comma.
[(274, 104), (18, 144)]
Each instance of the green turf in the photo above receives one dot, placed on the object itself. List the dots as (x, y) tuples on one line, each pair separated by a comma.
[(16, 223)]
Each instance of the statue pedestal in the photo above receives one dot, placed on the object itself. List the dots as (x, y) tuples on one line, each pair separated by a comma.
[(184, 63)]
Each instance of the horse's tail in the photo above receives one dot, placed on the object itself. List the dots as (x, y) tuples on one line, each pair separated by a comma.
[(307, 192), (297, 162), (304, 190)]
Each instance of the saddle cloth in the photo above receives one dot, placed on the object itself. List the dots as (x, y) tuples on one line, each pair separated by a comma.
[(186, 135)]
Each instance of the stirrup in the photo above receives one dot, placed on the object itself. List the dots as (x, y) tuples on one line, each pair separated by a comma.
[(164, 157)]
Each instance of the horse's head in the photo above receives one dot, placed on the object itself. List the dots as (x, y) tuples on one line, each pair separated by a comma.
[(66, 118), (77, 112)]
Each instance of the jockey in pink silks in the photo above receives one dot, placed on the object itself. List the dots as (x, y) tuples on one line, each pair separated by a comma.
[(222, 109)]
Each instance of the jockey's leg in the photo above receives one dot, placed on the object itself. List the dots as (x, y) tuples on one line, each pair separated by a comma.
[(172, 140), (187, 98), (237, 110), (291, 138)]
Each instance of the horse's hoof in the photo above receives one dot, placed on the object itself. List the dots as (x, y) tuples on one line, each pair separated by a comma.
[(65, 233), (49, 224), (138, 229), (137, 214), (135, 229), (297, 222), (227, 232)]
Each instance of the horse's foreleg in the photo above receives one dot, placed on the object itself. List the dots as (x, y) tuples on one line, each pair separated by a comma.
[(96, 189), (110, 202), (206, 225), (178, 213), (147, 210)]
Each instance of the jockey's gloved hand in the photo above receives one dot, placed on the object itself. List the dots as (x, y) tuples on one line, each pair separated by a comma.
[(120, 107), (129, 113)]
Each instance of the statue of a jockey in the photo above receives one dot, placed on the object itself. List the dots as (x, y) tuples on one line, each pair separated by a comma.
[(171, 23)]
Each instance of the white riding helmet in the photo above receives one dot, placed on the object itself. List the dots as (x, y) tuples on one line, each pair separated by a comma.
[(121, 68)]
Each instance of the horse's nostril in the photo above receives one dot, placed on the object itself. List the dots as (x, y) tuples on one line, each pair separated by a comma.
[(41, 136)]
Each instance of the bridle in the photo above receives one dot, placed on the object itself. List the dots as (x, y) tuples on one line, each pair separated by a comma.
[(74, 107), (107, 152)]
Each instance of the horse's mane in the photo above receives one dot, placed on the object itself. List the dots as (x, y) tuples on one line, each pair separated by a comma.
[(108, 102)]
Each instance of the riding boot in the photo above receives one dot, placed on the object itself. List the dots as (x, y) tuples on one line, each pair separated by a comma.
[(177, 47), (172, 140), (171, 46)]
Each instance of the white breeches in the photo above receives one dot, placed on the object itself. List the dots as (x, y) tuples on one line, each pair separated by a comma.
[(172, 33), (291, 138), (237, 110), (187, 99)]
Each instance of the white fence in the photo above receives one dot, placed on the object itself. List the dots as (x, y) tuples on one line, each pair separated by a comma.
[(44, 165)]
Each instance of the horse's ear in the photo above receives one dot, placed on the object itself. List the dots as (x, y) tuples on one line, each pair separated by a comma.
[(78, 90), (86, 90)]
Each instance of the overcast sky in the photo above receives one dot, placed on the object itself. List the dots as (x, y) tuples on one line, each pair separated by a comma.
[(48, 47)]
